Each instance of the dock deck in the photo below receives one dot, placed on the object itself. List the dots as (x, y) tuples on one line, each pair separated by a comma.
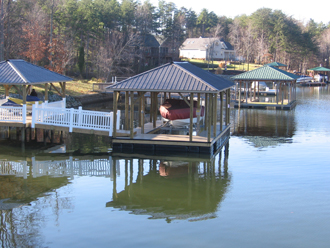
[(263, 105), (159, 142)]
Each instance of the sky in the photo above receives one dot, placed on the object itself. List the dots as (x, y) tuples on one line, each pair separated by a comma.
[(300, 10)]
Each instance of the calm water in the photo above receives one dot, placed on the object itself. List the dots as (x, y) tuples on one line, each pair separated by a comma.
[(269, 187)]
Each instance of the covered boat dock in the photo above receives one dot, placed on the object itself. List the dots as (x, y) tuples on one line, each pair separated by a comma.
[(149, 132), (281, 83)]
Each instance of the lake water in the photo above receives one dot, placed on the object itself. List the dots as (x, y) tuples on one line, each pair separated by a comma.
[(269, 187)]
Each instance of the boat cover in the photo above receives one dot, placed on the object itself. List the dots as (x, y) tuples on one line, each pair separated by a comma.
[(174, 109)]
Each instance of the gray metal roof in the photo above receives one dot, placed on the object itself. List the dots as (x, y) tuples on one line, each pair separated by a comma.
[(202, 44), (174, 77), (17, 71)]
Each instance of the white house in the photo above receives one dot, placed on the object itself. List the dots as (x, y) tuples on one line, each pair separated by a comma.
[(207, 48)]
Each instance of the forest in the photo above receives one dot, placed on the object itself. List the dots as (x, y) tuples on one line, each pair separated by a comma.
[(100, 38)]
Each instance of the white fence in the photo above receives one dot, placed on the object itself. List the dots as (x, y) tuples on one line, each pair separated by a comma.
[(73, 118), (13, 114), (62, 168), (57, 104), (55, 114)]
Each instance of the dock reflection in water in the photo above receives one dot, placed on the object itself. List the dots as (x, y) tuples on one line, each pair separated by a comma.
[(173, 188), (161, 187), (264, 128)]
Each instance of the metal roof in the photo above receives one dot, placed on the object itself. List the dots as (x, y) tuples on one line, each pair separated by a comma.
[(174, 77), (17, 71), (275, 64), (266, 73), (202, 44), (319, 69)]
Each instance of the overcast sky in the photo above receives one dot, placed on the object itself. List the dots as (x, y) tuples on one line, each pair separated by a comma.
[(319, 10)]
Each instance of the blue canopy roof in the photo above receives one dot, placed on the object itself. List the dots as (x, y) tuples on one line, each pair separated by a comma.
[(17, 71)]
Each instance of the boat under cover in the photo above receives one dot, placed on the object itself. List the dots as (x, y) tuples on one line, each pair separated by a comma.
[(177, 109)]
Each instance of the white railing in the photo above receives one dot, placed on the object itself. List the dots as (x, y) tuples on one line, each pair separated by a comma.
[(57, 104), (70, 167), (73, 118), (13, 114), (16, 168)]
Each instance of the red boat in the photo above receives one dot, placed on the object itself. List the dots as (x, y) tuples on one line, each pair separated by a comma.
[(178, 112)]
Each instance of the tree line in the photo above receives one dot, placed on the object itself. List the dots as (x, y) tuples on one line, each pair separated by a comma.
[(99, 38)]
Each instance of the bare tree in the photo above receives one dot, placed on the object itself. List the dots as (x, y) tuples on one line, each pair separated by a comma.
[(325, 46), (213, 43), (117, 53)]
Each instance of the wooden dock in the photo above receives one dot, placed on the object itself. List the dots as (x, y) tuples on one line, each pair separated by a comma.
[(264, 105), (160, 142)]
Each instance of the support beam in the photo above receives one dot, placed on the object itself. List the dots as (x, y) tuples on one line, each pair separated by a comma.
[(215, 119), (115, 102), (24, 94), (208, 122), (221, 110), (198, 112), (126, 110), (142, 112), (46, 92), (191, 116), (132, 115)]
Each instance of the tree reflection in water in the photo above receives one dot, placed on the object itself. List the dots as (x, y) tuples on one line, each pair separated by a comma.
[(20, 224), (174, 188)]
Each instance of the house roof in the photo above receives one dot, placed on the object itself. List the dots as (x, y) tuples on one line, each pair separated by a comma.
[(266, 73), (276, 64), (320, 68), (148, 40), (174, 77), (20, 72), (202, 43)]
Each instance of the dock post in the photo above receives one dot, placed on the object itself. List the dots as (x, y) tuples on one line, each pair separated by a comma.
[(132, 116), (142, 112), (221, 110), (114, 125), (215, 116), (191, 116), (126, 109)]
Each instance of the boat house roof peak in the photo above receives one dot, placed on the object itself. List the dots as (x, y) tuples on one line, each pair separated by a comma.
[(266, 73), (174, 77), (20, 72)]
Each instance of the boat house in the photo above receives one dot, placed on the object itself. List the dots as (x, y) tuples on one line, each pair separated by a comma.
[(21, 75), (279, 93), (145, 92)]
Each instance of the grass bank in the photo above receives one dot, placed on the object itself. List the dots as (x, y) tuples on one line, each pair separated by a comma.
[(73, 88)]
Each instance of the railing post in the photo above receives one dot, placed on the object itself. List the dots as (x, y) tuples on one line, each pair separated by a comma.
[(71, 120), (111, 124), (41, 113), (34, 114), (24, 114), (79, 116), (118, 119), (64, 102)]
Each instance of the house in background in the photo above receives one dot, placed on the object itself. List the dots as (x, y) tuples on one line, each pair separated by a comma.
[(207, 48)]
